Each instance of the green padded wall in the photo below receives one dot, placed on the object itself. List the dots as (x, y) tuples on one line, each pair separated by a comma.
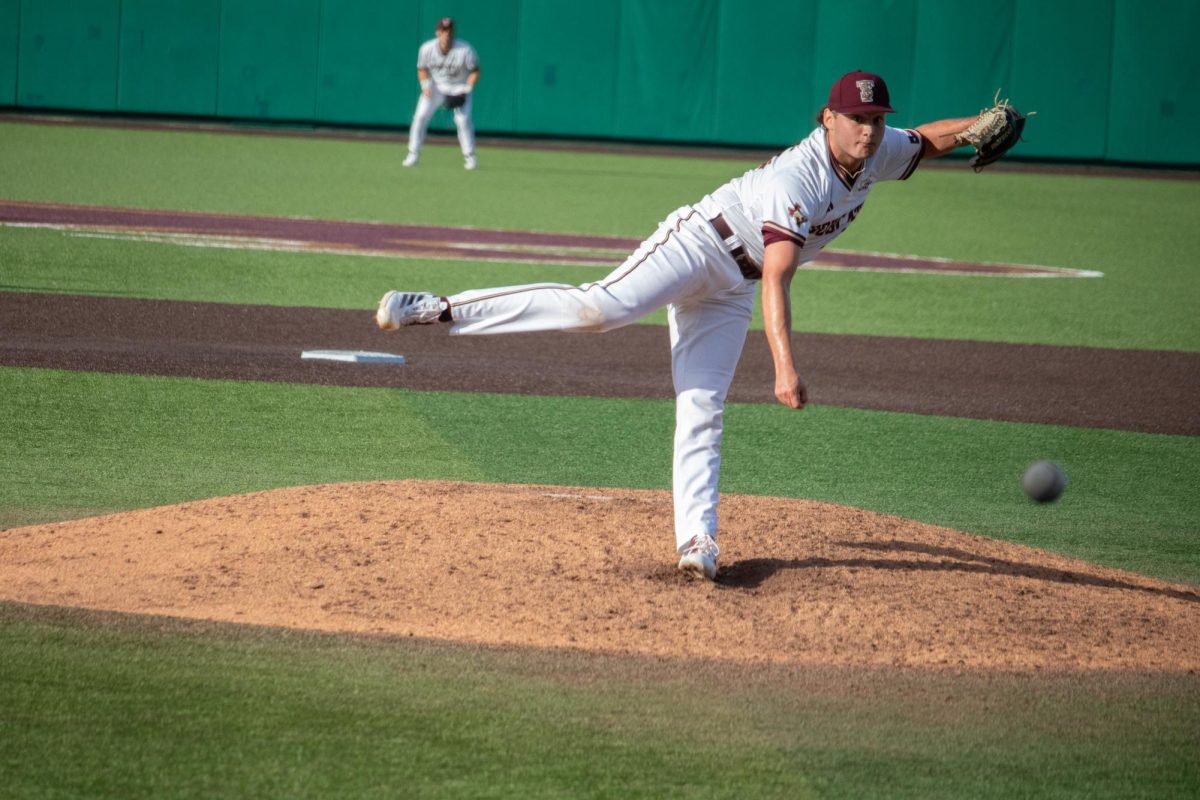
[(666, 70), (1108, 78), (566, 82), (365, 71), (168, 56), (268, 59), (960, 57), (1060, 69), (1153, 116), (10, 22), (764, 64), (68, 54)]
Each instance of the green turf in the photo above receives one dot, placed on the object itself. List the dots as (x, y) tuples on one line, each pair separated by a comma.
[(514, 188), (149, 441), (1144, 244), (55, 261), (1139, 232), (163, 709)]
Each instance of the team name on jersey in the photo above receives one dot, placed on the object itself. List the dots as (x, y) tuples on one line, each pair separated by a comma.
[(834, 225)]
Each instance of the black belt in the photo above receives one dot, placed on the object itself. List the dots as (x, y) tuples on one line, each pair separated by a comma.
[(750, 270)]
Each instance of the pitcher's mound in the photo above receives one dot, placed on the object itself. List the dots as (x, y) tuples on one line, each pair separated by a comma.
[(801, 581)]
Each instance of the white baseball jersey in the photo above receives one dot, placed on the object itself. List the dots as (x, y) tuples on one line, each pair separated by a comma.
[(687, 265), (801, 197), (448, 71)]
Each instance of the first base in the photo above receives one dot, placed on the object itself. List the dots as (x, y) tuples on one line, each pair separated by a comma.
[(354, 356)]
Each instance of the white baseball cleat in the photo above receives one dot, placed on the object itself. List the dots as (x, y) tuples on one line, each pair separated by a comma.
[(410, 160), (397, 309), (469, 162), (699, 556)]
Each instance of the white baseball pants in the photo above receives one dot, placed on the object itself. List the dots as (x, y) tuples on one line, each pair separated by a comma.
[(426, 106), (685, 265)]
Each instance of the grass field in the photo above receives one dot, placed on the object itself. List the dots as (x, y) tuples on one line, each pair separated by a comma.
[(159, 708), (104, 705)]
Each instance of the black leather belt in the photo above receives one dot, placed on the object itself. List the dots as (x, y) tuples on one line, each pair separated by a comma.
[(750, 270)]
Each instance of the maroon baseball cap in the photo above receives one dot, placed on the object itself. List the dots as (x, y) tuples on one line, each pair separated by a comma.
[(445, 23), (859, 92)]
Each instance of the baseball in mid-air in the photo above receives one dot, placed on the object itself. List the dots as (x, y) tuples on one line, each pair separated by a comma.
[(1043, 481)]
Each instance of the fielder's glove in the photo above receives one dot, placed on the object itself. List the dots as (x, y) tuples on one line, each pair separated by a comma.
[(453, 101), (993, 133)]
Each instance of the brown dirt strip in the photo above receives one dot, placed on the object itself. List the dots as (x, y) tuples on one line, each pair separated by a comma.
[(1147, 391), (425, 241), (411, 240)]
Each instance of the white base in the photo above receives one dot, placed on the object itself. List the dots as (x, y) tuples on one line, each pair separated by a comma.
[(354, 356)]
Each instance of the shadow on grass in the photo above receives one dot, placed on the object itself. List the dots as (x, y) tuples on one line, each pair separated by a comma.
[(753, 572)]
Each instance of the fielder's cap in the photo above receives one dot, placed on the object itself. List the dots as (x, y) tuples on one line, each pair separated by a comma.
[(859, 92), (445, 23)]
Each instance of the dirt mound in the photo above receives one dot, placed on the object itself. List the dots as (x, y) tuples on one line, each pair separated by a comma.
[(802, 582)]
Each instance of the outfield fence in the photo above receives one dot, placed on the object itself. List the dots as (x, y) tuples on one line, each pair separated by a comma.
[(1110, 79)]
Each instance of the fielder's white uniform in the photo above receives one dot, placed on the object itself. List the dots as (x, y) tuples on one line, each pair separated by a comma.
[(704, 263), (447, 76)]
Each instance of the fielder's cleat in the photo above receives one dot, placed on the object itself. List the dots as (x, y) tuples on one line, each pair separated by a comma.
[(699, 556), (410, 160), (397, 309), (470, 163)]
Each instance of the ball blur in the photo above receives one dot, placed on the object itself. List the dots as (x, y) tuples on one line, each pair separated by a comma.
[(1043, 481)]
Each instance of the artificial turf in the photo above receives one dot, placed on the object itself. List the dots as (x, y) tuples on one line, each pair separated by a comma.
[(106, 705)]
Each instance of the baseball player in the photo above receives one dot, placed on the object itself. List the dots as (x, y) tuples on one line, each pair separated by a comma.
[(448, 69), (705, 263)]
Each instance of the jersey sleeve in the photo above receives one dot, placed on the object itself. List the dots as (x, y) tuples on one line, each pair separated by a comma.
[(788, 209), (901, 151), (423, 61), (472, 60)]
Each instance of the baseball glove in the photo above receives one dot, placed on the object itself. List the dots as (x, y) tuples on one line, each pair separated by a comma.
[(993, 133), (453, 101)]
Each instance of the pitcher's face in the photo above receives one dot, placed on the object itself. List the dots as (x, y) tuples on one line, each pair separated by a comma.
[(854, 137)]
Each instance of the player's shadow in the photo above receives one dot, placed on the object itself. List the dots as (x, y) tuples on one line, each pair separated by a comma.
[(751, 573)]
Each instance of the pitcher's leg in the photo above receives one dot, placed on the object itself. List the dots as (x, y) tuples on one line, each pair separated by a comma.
[(706, 342), (666, 267)]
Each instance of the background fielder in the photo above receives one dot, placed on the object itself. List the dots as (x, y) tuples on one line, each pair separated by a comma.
[(704, 263), (448, 69)]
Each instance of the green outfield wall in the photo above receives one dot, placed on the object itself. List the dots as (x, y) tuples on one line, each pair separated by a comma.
[(1110, 79)]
